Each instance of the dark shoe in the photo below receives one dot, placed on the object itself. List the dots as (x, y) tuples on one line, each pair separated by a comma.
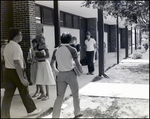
[(88, 73), (41, 96), (80, 115), (36, 111), (45, 98), (92, 73), (36, 95)]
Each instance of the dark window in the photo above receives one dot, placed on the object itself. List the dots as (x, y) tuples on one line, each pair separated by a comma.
[(75, 22), (48, 16), (61, 19), (38, 14), (68, 19)]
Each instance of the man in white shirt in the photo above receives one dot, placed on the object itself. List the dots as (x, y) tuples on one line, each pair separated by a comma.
[(90, 46), (14, 75), (65, 55)]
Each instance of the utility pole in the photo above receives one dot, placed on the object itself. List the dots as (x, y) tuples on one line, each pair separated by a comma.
[(126, 30), (101, 43), (56, 23), (135, 39), (117, 41), (131, 41)]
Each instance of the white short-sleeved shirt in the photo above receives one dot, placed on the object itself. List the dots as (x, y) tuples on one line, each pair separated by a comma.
[(90, 44), (13, 51), (64, 56)]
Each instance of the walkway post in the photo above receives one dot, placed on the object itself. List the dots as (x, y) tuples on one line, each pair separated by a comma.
[(56, 23), (135, 38), (126, 30), (140, 36), (117, 42), (101, 41), (131, 41)]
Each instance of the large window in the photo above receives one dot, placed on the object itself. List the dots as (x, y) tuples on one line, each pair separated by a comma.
[(38, 14), (45, 15), (75, 22), (48, 16), (62, 19), (68, 19)]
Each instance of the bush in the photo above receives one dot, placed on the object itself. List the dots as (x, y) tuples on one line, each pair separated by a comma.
[(137, 54)]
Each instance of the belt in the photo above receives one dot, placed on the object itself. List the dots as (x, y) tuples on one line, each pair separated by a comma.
[(41, 60)]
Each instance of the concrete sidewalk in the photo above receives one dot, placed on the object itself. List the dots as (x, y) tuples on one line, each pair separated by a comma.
[(18, 110)]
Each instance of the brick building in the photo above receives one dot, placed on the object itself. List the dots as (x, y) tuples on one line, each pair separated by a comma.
[(33, 17)]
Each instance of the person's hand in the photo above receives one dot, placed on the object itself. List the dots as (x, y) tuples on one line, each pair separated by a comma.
[(29, 61), (56, 72), (25, 82)]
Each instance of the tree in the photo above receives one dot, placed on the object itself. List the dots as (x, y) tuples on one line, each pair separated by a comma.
[(134, 12)]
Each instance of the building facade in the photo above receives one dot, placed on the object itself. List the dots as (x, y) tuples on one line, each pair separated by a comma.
[(33, 18)]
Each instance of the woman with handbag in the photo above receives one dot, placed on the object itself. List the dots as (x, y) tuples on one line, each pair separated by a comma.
[(44, 72)]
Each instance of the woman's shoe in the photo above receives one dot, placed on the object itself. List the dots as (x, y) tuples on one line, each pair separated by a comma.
[(35, 95), (45, 98), (88, 74), (41, 96)]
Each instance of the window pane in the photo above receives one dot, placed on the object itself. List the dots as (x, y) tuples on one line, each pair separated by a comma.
[(61, 19), (68, 20), (47, 16), (38, 14), (75, 22)]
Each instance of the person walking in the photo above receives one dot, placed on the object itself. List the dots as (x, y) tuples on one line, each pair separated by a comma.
[(65, 55), (14, 75), (33, 68), (90, 46), (44, 72)]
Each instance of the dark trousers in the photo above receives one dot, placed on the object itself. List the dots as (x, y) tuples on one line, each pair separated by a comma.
[(90, 63), (11, 82)]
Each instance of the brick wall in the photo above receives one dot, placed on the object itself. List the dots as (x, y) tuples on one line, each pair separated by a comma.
[(6, 18), (24, 18), (92, 27)]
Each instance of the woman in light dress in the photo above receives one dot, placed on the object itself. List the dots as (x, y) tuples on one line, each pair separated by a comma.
[(44, 71)]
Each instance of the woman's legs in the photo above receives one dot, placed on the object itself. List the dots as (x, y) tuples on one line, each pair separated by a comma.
[(37, 91), (42, 92), (47, 93)]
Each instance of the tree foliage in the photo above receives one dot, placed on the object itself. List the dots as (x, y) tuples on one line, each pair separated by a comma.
[(136, 12)]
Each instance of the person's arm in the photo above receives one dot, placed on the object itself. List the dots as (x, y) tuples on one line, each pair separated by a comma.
[(53, 62), (95, 44), (54, 66), (85, 46), (44, 57), (19, 71)]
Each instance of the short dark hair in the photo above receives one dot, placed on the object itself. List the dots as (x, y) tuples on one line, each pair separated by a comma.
[(12, 33), (34, 41), (66, 37), (88, 33)]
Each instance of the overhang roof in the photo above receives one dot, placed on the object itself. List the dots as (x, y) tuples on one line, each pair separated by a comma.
[(74, 7)]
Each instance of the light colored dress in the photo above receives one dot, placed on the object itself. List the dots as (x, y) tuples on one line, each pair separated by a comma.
[(44, 74)]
